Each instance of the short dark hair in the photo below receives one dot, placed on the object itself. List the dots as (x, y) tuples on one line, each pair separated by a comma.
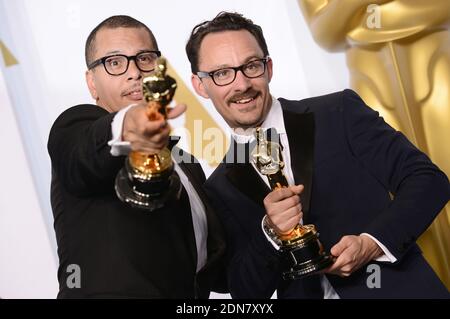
[(224, 21), (119, 21)]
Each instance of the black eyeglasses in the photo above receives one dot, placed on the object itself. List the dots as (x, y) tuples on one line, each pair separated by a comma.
[(117, 64), (225, 76)]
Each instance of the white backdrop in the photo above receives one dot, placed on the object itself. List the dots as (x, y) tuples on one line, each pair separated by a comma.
[(47, 38)]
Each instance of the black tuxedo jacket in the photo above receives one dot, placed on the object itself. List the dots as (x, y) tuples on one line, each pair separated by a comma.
[(120, 251), (350, 161)]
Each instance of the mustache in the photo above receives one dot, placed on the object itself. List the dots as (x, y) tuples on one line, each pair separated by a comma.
[(136, 87), (245, 95)]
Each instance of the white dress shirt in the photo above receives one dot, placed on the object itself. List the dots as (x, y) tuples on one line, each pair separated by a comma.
[(275, 120), (119, 147)]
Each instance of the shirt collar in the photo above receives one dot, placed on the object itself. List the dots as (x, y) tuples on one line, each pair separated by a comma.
[(274, 119)]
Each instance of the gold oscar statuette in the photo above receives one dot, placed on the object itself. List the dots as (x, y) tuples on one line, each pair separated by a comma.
[(303, 254), (148, 181)]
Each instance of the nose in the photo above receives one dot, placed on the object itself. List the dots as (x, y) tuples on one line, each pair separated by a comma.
[(241, 82), (133, 72)]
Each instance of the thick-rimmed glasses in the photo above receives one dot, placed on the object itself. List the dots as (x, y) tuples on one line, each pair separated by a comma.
[(225, 76), (117, 64)]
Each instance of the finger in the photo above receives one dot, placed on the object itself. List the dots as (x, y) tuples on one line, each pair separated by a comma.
[(144, 147), (330, 269), (346, 269), (149, 140), (279, 211), (157, 145), (176, 111), (338, 262), (288, 203), (336, 267), (151, 128), (279, 194), (287, 226), (287, 196), (338, 249), (280, 218), (297, 189), (161, 137), (333, 269), (348, 258)]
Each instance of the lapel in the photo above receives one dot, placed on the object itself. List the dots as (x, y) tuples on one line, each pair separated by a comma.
[(185, 158), (244, 177), (300, 133), (215, 239), (193, 170)]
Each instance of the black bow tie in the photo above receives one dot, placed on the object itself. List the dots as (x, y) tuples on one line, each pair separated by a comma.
[(239, 153)]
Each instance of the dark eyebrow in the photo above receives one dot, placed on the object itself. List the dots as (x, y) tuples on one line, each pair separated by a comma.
[(144, 50), (113, 52), (120, 52), (254, 57), (249, 59)]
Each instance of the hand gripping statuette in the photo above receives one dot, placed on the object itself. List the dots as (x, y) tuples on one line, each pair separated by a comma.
[(302, 252), (148, 181)]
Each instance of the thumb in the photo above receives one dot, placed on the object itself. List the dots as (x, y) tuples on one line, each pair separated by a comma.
[(337, 249), (297, 189), (176, 111)]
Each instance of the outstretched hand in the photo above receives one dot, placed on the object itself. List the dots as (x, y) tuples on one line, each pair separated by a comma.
[(144, 135)]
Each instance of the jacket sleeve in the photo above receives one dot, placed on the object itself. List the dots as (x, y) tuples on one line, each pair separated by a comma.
[(419, 188), (79, 150)]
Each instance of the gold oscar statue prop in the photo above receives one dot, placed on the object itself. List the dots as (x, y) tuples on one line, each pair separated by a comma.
[(148, 181), (398, 54), (303, 254)]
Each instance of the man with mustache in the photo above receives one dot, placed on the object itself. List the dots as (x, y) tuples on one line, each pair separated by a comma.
[(119, 251), (342, 162)]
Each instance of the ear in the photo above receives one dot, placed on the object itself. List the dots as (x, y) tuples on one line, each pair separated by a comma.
[(199, 86), (270, 69), (91, 84)]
